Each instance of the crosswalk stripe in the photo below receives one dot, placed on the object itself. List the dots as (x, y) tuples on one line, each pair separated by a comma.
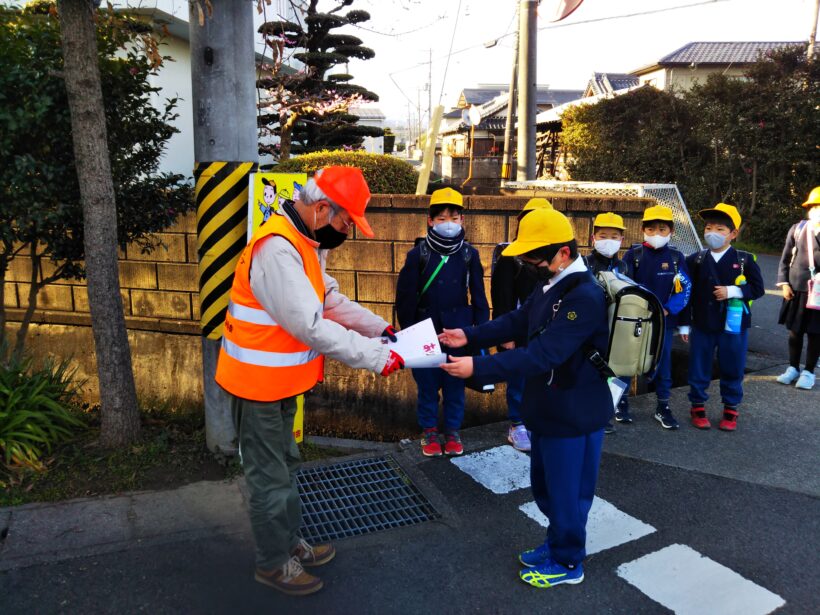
[(688, 583), (607, 526), (501, 470)]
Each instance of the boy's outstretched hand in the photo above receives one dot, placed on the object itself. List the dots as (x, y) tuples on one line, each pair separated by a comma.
[(453, 338), (460, 367)]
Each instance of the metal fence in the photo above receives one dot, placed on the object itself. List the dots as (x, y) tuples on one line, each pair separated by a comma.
[(686, 237)]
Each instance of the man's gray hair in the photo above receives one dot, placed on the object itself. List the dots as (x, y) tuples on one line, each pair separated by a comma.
[(312, 193)]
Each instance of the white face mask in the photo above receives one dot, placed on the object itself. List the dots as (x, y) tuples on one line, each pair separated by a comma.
[(447, 229), (814, 214), (656, 241), (714, 241), (607, 247)]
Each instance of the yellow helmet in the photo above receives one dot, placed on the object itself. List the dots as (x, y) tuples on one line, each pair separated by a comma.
[(447, 196), (726, 209), (814, 198), (609, 220), (658, 212), (543, 227), (537, 203)]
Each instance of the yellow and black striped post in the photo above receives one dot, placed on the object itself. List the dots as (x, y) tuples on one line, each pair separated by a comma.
[(222, 224)]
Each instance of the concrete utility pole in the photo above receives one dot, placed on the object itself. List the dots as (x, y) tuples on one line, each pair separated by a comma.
[(223, 77), (810, 54), (506, 164), (527, 47)]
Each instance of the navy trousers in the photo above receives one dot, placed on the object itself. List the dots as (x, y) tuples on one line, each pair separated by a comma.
[(663, 372), (515, 393), (731, 354), (563, 473), (429, 382)]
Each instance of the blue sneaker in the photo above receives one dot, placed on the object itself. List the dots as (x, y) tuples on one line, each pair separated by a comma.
[(664, 416), (538, 556), (551, 574)]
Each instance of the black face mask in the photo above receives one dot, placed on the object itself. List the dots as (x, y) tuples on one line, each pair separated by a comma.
[(328, 237), (542, 274)]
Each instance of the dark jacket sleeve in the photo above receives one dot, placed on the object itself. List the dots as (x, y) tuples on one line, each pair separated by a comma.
[(629, 264), (754, 288), (478, 296), (407, 289), (786, 258), (562, 338), (502, 286), (510, 326)]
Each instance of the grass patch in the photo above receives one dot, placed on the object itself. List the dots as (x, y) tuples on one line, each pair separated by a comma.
[(170, 453)]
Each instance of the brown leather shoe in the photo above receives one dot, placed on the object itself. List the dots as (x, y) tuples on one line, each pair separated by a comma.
[(290, 579), (315, 555)]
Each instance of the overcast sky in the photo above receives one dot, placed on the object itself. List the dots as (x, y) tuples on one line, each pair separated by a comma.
[(404, 30)]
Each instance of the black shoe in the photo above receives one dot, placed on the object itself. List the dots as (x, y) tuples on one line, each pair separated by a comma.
[(664, 416), (609, 428)]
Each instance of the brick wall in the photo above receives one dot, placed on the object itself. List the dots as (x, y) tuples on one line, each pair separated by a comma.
[(160, 297)]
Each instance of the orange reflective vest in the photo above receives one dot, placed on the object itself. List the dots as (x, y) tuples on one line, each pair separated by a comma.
[(258, 359)]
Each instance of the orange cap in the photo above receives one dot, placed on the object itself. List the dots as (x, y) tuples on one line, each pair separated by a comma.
[(347, 187)]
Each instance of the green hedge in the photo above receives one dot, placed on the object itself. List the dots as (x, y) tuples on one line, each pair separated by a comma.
[(384, 174)]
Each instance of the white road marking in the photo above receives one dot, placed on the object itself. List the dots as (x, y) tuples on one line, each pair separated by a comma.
[(607, 526), (688, 583), (501, 470)]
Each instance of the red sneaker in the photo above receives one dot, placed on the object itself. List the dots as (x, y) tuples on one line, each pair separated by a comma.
[(729, 421), (452, 444), (430, 446), (699, 419)]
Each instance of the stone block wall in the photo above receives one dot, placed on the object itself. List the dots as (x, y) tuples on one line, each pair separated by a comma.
[(161, 301)]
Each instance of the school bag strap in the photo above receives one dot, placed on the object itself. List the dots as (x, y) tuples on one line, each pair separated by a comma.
[(424, 259)]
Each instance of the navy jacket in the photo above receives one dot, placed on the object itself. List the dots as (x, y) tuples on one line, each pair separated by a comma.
[(657, 272), (510, 286), (794, 263), (704, 311), (446, 300), (564, 395), (598, 262)]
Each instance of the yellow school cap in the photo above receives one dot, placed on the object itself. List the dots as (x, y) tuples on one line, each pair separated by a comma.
[(542, 227), (609, 220), (446, 196), (726, 210), (658, 212), (814, 198), (537, 203)]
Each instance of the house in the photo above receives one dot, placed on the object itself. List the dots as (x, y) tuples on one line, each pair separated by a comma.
[(602, 84), (694, 62), (370, 115), (453, 161)]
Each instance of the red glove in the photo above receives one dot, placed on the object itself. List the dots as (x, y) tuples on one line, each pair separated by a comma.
[(390, 333), (394, 363)]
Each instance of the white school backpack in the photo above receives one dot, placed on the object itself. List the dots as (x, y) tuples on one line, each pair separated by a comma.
[(636, 325)]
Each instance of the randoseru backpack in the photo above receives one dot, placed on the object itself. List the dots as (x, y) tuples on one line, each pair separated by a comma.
[(636, 325)]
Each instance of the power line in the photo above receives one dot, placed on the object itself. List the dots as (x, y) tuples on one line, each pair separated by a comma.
[(449, 55)]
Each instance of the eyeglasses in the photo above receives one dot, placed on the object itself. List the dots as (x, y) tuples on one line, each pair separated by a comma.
[(336, 212)]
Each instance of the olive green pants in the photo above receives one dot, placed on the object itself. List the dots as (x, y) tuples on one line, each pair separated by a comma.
[(270, 459)]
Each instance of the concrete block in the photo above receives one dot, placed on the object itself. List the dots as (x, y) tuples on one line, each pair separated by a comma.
[(381, 201), (10, 295), (172, 249), (161, 304), (50, 297), (198, 506), (362, 255), (19, 270), (191, 245), (487, 229), (196, 314), (376, 287), (61, 531), (80, 296), (186, 223), (397, 225), (385, 310), (346, 280), (486, 254), (411, 201), (138, 275), (495, 203), (178, 277)]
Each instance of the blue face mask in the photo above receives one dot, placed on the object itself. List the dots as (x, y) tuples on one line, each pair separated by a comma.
[(714, 241), (447, 229)]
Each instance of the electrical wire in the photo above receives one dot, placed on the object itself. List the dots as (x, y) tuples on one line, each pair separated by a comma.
[(450, 53)]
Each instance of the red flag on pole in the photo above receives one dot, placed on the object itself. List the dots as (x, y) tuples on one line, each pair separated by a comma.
[(560, 9)]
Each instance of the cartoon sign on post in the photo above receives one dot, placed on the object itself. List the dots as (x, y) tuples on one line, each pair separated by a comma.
[(265, 193)]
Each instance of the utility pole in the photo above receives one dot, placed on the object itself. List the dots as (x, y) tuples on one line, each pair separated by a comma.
[(506, 164), (810, 54), (223, 79), (418, 112), (527, 46)]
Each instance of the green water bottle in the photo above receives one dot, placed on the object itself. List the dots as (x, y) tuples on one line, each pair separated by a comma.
[(734, 316)]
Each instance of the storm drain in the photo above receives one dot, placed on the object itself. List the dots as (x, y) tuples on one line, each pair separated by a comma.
[(359, 497)]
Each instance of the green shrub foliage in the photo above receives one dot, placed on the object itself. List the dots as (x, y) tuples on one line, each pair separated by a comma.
[(384, 174)]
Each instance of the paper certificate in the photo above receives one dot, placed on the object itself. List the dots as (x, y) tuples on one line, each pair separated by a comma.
[(418, 345)]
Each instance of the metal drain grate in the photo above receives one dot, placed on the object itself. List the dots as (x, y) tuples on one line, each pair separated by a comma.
[(358, 497)]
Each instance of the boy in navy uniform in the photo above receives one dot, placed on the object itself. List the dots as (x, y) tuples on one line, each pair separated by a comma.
[(566, 400), (607, 236), (662, 269), (434, 283), (510, 286), (720, 275)]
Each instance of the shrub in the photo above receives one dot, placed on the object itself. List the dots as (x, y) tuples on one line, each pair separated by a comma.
[(36, 406), (384, 174)]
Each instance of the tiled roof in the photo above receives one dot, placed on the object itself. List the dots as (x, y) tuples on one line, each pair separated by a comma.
[(738, 53), (544, 96), (368, 113), (606, 83)]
